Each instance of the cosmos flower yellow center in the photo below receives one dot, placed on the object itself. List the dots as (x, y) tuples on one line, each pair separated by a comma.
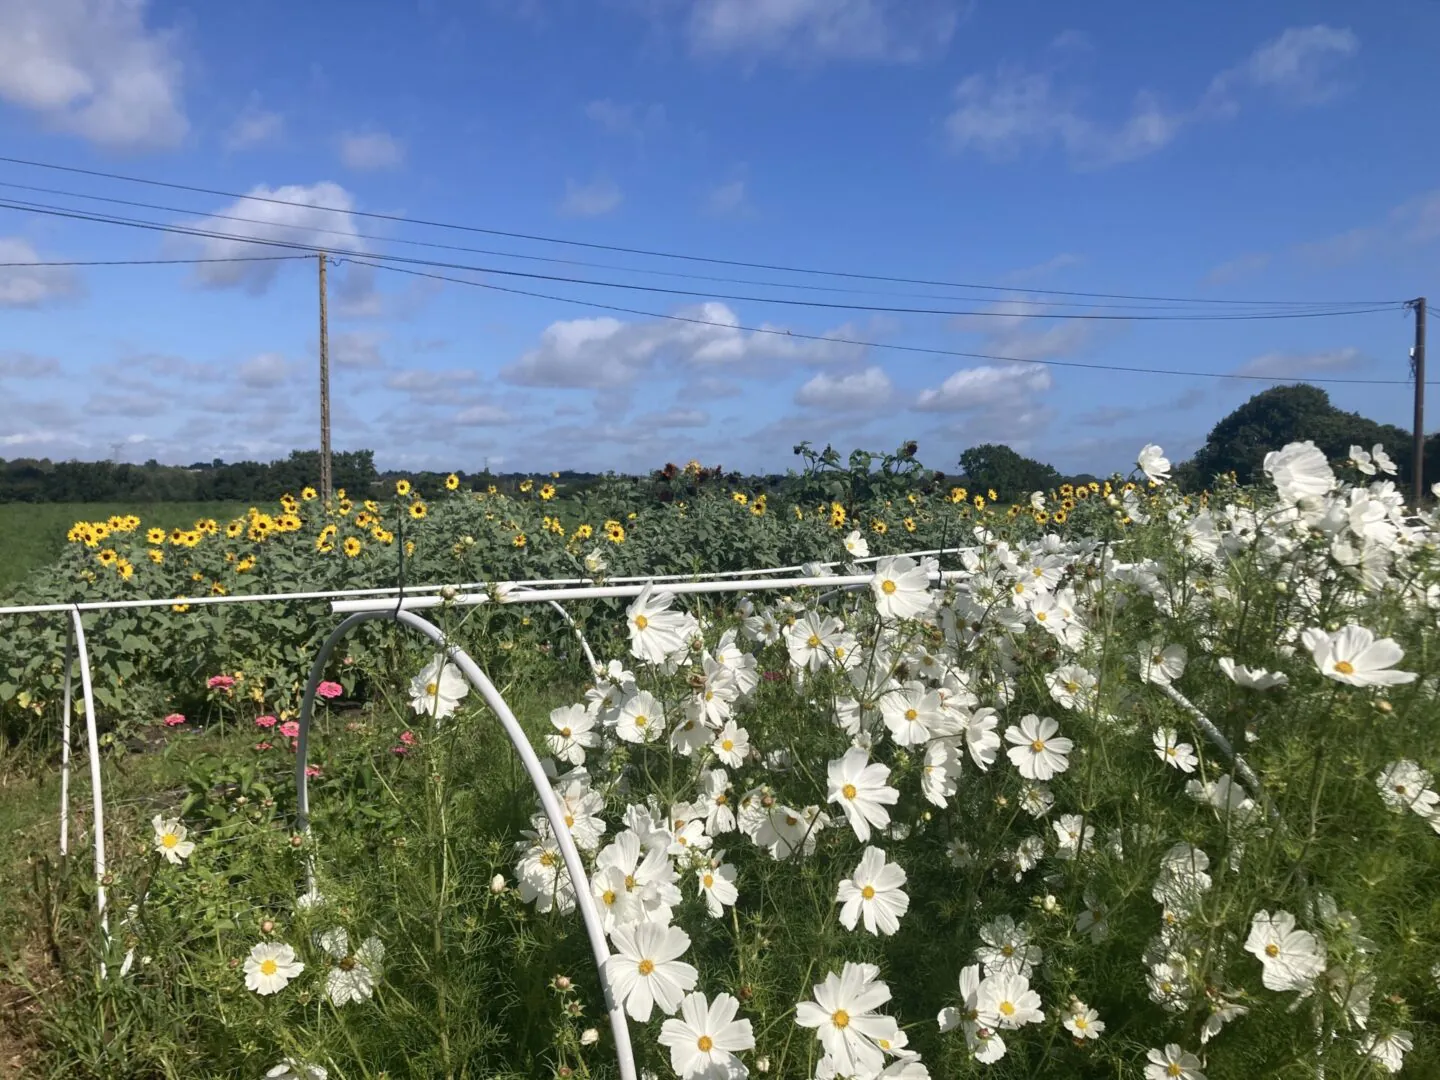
[(608, 896), (705, 1043), (641, 622), (169, 839), (1173, 1069), (911, 714), (1007, 1008), (848, 791), (1081, 1023), (1344, 667), (814, 641), (629, 882), (641, 721), (726, 744), (646, 967), (433, 689), (708, 880), (1037, 745), (268, 967), (565, 732), (1272, 950), (547, 858), (887, 587), (840, 1018), (868, 892)]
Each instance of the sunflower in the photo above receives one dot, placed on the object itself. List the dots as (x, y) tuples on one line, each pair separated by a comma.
[(799, 514), (740, 497), (1066, 490), (979, 502), (107, 557), (547, 492), (181, 608), (992, 495), (615, 532), (1041, 517), (584, 532), (1059, 517), (372, 506), (452, 482), (235, 528), (309, 494), (216, 589), (177, 536), (958, 495), (156, 555), (155, 536), (418, 510), (402, 487), (351, 547), (1067, 504), (878, 526), (208, 526), (364, 519), (245, 565), (409, 548), (909, 524), (124, 569), (837, 515), (385, 536), (519, 540), (344, 506), (1082, 492)]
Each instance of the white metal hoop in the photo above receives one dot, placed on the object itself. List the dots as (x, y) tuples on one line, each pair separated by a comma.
[(554, 813), (92, 738)]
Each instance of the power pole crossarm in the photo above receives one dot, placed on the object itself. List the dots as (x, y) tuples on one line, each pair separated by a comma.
[(326, 480), (1417, 364)]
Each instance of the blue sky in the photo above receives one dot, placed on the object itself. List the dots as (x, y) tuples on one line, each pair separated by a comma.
[(1272, 151)]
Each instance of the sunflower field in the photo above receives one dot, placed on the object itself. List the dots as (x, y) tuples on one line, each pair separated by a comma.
[(1122, 783)]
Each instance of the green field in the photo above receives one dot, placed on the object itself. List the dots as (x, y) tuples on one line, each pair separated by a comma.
[(33, 534)]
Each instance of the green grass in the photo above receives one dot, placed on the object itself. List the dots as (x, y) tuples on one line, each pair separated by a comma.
[(33, 534)]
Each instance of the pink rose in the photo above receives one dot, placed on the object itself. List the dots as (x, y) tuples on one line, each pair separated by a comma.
[(265, 721), (329, 690), (290, 729), (174, 720)]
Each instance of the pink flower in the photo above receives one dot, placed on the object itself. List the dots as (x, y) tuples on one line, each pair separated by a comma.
[(399, 749), (174, 720), (220, 682), (263, 746), (408, 738), (329, 690), (265, 721), (312, 770), (290, 729)]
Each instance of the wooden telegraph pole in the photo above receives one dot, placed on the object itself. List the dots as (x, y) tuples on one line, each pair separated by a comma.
[(326, 480), (1417, 368)]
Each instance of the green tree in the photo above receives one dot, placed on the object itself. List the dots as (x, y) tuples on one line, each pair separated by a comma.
[(1013, 476), (1286, 414)]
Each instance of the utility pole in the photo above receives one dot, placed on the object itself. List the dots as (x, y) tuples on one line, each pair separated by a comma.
[(1417, 368), (326, 481)]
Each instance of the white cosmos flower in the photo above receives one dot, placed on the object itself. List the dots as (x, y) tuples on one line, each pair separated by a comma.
[(1361, 460), (1251, 678), (1036, 750), (646, 970), (437, 691), (574, 733), (1299, 471), (940, 771), (656, 632), (1168, 748), (703, 1042), (290, 1069), (1382, 459), (270, 967), (874, 891), (981, 738), (983, 1041), (717, 884), (1083, 1022), (863, 791), (641, 718), (901, 587), (1404, 785), (844, 1018), (1388, 1051), (855, 544), (812, 640), (170, 839), (1072, 686), (732, 745), (354, 975), (1353, 656), (1074, 836), (1006, 1001), (1172, 1063), (911, 712), (1153, 463), (1162, 664), (1006, 948), (1290, 958)]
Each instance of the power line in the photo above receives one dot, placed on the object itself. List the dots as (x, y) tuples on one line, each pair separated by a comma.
[(695, 321), (1016, 301), (111, 219), (375, 215), (157, 262)]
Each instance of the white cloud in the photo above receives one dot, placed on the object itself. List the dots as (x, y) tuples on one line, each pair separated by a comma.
[(426, 384), (631, 119), (1415, 221), (371, 150), (1011, 111), (590, 200), (482, 416), (673, 418), (1300, 65), (804, 31), (861, 390), (254, 127), (1009, 388), (317, 215), (93, 68), (31, 286), (1052, 265), (1016, 328), (356, 349), (1242, 266), (606, 353), (265, 370), (728, 199), (22, 365), (1295, 365)]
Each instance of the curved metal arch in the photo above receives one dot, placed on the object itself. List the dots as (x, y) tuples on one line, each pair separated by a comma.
[(554, 813), (92, 738)]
